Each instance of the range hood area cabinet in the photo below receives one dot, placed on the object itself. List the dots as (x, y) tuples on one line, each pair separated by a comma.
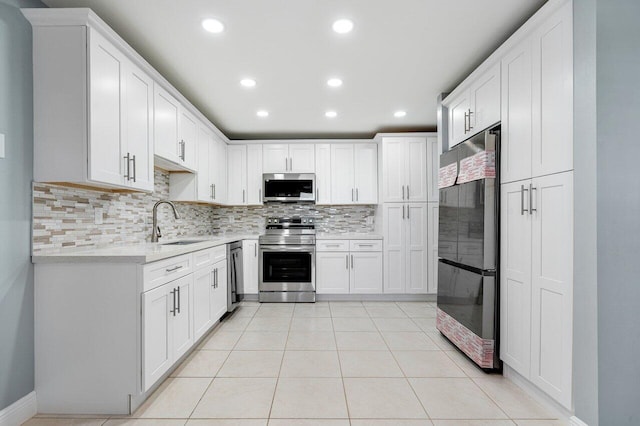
[(288, 158), (209, 184), (93, 110)]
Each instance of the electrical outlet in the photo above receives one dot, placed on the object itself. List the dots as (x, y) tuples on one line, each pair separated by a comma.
[(232, 219), (98, 216), (369, 220)]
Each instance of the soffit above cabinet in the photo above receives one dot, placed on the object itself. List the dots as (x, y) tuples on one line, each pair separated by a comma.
[(399, 56)]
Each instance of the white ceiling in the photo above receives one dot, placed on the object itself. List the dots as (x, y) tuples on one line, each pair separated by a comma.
[(400, 56)]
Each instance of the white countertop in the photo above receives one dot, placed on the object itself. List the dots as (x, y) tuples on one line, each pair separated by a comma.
[(136, 253), (349, 236)]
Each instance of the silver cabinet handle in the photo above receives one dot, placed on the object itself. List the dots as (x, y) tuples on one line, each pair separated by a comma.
[(286, 164), (465, 123), (134, 167), (408, 212), (522, 191), (175, 268), (243, 197), (347, 259), (351, 261), (255, 250), (178, 299), (357, 196), (173, 294), (352, 195), (365, 245), (407, 192), (403, 211), (531, 189), (214, 191), (470, 126), (260, 194), (211, 191), (332, 245), (403, 192), (128, 162)]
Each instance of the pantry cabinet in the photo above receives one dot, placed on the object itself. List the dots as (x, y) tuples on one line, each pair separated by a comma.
[(405, 169), (536, 283), (348, 266), (100, 132), (406, 249), (288, 158)]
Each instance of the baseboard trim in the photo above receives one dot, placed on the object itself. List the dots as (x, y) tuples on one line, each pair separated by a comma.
[(576, 421), (20, 411)]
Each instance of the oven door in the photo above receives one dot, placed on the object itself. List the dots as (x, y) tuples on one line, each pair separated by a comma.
[(287, 268)]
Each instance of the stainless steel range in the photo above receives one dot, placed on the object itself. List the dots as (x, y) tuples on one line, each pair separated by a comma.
[(288, 260)]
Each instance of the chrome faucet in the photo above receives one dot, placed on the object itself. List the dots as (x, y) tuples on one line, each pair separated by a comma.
[(155, 234)]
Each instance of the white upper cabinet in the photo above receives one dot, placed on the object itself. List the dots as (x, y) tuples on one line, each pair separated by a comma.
[(288, 158), (188, 131), (354, 173), (254, 174), (475, 107), (516, 126), (323, 173), (218, 171), (405, 169), (552, 57), (237, 175), (99, 133)]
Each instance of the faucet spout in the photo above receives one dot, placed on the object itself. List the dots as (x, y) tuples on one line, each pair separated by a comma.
[(155, 232)]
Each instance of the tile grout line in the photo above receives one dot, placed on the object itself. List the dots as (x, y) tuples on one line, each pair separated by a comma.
[(284, 351), (344, 388)]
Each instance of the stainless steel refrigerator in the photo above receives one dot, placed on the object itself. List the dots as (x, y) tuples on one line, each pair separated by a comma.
[(467, 311)]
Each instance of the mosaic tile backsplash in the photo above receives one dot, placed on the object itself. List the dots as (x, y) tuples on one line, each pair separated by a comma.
[(65, 217)]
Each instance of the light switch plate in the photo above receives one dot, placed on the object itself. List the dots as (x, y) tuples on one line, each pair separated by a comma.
[(232, 219), (1, 145)]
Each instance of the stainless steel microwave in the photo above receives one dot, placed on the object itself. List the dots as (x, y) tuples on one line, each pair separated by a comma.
[(289, 187)]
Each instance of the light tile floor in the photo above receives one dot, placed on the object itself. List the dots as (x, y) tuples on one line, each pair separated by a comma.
[(329, 364)]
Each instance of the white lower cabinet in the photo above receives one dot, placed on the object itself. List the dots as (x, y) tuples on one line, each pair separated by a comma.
[(219, 290), (202, 308), (407, 248), (167, 327), (349, 266), (250, 266), (537, 281)]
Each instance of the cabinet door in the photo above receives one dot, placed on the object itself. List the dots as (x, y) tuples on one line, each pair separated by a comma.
[(515, 276), (219, 295), (204, 178), (365, 166), (188, 134), (137, 127), (552, 283), (275, 158), (485, 93), (165, 124), (237, 175), (106, 159), (182, 323), (302, 158), (458, 122), (394, 225), (342, 189), (254, 174), (202, 315), (432, 248), (366, 272), (250, 266), (553, 95), (323, 173), (332, 272), (393, 170), (433, 167), (156, 350), (417, 248), (516, 126), (416, 168)]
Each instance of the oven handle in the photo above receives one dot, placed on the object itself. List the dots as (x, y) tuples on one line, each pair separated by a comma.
[(268, 248)]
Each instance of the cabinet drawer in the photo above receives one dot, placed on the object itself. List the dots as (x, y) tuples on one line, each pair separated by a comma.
[(208, 257), (332, 245), (365, 245), (161, 272)]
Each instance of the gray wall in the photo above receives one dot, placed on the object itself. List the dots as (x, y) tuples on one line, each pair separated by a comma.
[(585, 312), (618, 111), (16, 171)]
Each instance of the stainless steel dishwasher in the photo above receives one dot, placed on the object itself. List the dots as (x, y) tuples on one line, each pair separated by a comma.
[(235, 289)]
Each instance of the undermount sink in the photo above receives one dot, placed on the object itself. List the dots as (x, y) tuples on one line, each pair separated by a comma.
[(182, 243)]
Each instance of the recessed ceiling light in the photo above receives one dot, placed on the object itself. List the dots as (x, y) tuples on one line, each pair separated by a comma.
[(248, 82), (334, 82), (343, 26), (331, 114), (399, 114), (262, 113), (213, 26)]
